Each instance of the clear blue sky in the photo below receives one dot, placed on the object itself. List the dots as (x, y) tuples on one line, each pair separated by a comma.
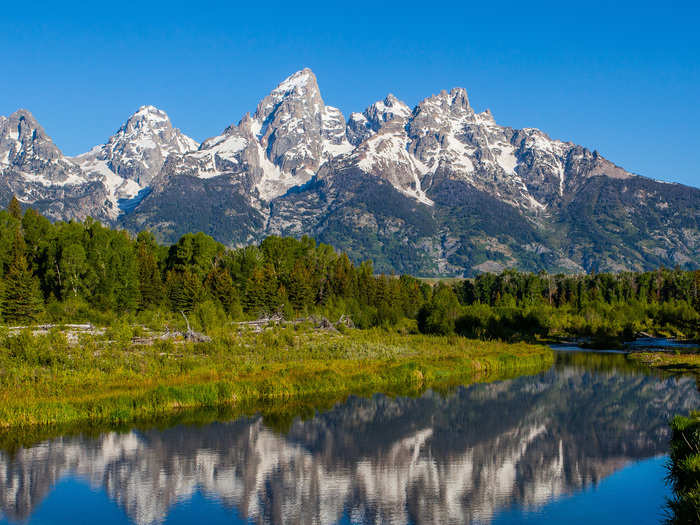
[(622, 79)]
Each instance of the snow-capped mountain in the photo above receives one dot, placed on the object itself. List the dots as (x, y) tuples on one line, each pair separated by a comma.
[(281, 146), (363, 125), (134, 155), (35, 170), (436, 189)]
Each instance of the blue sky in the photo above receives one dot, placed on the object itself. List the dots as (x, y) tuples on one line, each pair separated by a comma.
[(622, 79)]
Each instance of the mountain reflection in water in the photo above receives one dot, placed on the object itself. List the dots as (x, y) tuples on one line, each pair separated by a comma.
[(433, 459)]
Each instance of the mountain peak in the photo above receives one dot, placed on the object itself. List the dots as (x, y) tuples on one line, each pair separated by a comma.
[(297, 91), (22, 140), (138, 149), (487, 115), (25, 123), (24, 114), (149, 110), (391, 107), (146, 117), (297, 83), (455, 98)]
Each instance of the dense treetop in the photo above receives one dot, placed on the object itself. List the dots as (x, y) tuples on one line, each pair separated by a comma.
[(55, 271)]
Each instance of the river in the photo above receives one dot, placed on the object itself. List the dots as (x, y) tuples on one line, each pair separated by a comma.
[(584, 442)]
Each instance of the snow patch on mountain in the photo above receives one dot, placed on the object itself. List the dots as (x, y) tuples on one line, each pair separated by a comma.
[(138, 150), (217, 155), (74, 178), (296, 82), (551, 153), (385, 110), (334, 141), (386, 155), (274, 182)]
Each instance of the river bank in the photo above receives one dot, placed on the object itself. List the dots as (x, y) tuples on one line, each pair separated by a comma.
[(684, 469), (332, 456), (669, 362), (107, 379)]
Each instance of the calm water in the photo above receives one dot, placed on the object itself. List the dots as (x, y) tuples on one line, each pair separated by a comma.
[(584, 442)]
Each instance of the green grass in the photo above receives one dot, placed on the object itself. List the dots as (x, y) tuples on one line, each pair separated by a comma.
[(45, 382), (684, 469), (669, 362)]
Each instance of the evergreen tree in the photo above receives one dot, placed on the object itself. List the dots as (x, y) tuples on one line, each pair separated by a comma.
[(439, 315), (263, 291), (185, 290), (300, 287), (220, 286), (15, 208), (151, 289), (21, 299)]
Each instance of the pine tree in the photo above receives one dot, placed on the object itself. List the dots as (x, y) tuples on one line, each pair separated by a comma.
[(221, 287), (300, 290), (150, 283), (263, 291), (21, 299), (15, 208), (185, 290)]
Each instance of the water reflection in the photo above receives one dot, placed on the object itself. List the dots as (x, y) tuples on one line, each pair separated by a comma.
[(432, 459)]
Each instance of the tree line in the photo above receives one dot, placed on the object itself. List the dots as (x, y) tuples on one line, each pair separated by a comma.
[(55, 270), (517, 305), (72, 270)]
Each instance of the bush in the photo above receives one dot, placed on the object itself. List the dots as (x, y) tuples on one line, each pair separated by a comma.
[(474, 322), (439, 315), (684, 469), (208, 316)]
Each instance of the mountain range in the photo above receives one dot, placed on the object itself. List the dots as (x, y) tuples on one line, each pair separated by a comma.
[(437, 189)]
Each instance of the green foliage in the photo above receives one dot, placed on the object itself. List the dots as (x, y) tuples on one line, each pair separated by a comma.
[(438, 316), (105, 379), (185, 290), (209, 316), (684, 469), (15, 208), (152, 291), (85, 272), (601, 307), (21, 298)]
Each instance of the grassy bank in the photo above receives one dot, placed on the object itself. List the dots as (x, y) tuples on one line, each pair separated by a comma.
[(684, 469), (44, 381), (669, 362)]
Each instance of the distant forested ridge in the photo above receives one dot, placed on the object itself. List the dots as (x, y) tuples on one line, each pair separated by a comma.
[(79, 271)]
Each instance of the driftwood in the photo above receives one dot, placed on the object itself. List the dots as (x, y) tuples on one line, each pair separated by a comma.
[(319, 323), (262, 321), (191, 335), (71, 331), (74, 331), (345, 321)]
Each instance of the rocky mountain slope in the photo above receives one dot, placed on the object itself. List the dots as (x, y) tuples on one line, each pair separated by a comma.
[(134, 155), (434, 190)]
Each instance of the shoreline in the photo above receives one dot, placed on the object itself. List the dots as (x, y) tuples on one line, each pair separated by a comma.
[(668, 361), (149, 383)]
